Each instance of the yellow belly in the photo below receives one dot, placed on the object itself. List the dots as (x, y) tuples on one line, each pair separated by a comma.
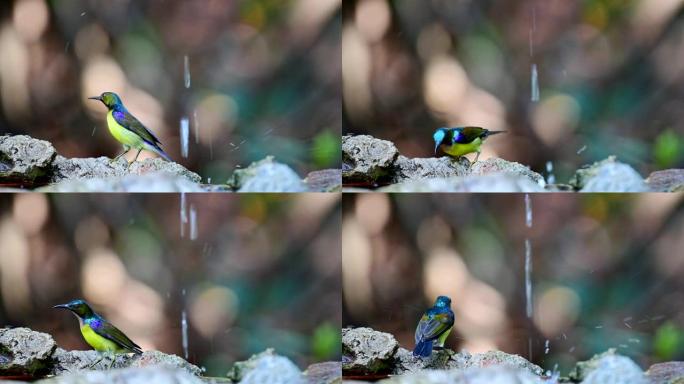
[(462, 149), (440, 342), (98, 342), (123, 135)]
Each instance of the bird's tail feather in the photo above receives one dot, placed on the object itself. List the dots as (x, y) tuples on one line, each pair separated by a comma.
[(163, 154), (423, 348)]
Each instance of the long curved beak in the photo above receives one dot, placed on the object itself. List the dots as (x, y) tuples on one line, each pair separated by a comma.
[(436, 148), (61, 306), (95, 98)]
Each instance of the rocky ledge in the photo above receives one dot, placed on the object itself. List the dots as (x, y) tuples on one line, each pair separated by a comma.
[(28, 355), (368, 162), (372, 355), (28, 163)]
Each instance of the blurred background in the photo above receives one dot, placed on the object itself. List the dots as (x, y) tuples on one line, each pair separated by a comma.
[(604, 272), (247, 273), (571, 81), (244, 79)]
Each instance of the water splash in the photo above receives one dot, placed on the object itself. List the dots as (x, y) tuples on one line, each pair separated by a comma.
[(535, 84), (550, 178), (193, 222), (186, 71), (183, 214), (184, 136), (184, 330)]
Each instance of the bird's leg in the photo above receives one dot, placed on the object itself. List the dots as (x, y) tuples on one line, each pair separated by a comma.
[(126, 149), (102, 356), (477, 156), (135, 159), (113, 361)]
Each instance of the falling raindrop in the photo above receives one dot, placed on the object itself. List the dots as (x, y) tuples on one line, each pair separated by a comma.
[(528, 211), (528, 277), (184, 328), (193, 223), (196, 123), (535, 84), (184, 135), (183, 214), (584, 148), (546, 347), (94, 129), (551, 178), (186, 71)]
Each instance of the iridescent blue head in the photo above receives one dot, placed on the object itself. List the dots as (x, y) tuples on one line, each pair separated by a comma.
[(110, 99), (443, 302), (439, 136), (79, 307)]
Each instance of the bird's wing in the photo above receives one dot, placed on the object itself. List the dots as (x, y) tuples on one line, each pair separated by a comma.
[(110, 332), (128, 121), (431, 327), (469, 134)]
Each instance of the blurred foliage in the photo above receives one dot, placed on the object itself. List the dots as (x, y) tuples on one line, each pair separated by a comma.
[(669, 339), (605, 271), (326, 341), (250, 272), (327, 149), (609, 77), (668, 149), (253, 77)]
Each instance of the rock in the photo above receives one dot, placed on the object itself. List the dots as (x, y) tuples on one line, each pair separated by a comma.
[(608, 367), (491, 375), (499, 166), (474, 184), (25, 352), (367, 159), (608, 175), (327, 180), (150, 182), (498, 359), (367, 351), (101, 167), (72, 361), (406, 362), (418, 168), (156, 375), (24, 160), (324, 373), (666, 373), (266, 176), (669, 180), (266, 367)]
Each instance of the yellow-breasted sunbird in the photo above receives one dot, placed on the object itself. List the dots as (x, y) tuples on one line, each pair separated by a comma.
[(461, 141), (434, 327), (98, 332), (128, 130)]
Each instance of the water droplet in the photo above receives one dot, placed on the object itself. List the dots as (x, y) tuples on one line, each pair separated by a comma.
[(193, 223), (184, 328), (186, 71), (528, 211), (183, 217), (584, 148), (184, 136), (528, 277), (550, 178), (535, 84)]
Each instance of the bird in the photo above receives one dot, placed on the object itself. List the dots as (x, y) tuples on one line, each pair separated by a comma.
[(461, 141), (98, 332), (434, 327), (128, 130)]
